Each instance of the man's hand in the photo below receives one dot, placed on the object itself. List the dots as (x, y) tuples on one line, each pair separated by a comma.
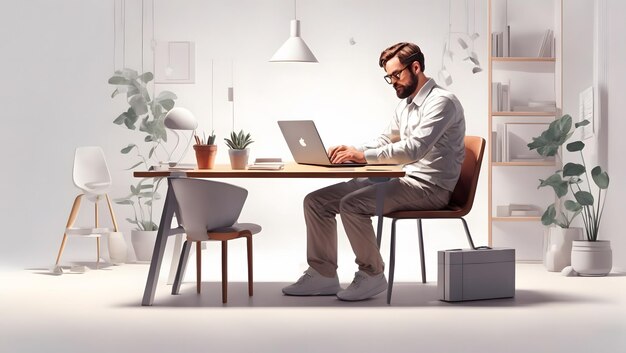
[(342, 154)]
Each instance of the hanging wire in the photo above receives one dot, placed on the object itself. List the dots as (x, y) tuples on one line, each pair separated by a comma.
[(212, 96)]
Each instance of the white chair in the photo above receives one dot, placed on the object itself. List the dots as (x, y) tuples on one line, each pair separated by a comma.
[(208, 210), (91, 175)]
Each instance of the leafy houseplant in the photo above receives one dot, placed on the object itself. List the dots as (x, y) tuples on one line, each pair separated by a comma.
[(150, 113), (238, 153), (569, 178)]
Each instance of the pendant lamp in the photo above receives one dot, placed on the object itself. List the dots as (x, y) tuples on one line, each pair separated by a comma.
[(294, 49)]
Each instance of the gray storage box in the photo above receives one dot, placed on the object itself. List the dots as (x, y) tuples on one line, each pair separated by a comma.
[(476, 274)]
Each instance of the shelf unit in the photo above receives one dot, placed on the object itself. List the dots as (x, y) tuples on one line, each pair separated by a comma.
[(535, 78)]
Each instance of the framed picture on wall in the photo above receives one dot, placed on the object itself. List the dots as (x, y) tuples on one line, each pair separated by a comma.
[(175, 62)]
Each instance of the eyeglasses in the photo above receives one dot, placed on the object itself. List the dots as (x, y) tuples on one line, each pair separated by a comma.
[(395, 75)]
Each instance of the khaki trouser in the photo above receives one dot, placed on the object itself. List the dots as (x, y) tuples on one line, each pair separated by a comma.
[(355, 201)]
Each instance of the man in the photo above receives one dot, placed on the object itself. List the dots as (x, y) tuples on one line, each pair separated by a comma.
[(426, 136)]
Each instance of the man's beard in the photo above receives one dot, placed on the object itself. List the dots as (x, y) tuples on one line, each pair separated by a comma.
[(403, 91)]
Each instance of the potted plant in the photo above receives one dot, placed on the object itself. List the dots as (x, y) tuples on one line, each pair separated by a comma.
[(150, 114), (205, 151), (590, 257), (238, 153)]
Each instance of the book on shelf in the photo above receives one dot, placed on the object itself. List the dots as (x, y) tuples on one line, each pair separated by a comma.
[(538, 108), (501, 43), (267, 164), (500, 97)]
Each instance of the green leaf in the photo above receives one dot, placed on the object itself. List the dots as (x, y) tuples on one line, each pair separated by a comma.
[(128, 73), (146, 186), (584, 198), (167, 104), (600, 178), (555, 181), (146, 77), (139, 104), (572, 206), (548, 216), (151, 151), (573, 169), (119, 80), (148, 138), (582, 123), (120, 119), (128, 148), (575, 146), (124, 202), (134, 190), (132, 221), (166, 95)]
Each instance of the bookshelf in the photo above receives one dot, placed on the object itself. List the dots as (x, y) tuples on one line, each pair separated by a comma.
[(529, 74)]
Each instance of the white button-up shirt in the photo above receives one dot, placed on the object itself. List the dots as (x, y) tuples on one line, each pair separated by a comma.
[(426, 135)]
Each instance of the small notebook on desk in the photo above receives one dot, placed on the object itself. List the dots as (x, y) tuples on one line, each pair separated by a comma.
[(267, 164)]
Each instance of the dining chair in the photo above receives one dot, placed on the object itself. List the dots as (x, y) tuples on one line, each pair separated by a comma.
[(91, 175), (208, 211), (460, 204)]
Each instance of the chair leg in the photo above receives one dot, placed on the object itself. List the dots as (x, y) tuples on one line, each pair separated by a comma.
[(182, 265), (467, 233), (115, 228), (70, 223), (250, 280), (392, 259), (98, 252), (379, 231), (198, 266), (224, 271), (421, 241)]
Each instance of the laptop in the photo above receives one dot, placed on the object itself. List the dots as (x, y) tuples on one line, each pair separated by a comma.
[(306, 145)]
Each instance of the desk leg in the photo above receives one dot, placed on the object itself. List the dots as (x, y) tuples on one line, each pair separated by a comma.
[(159, 245)]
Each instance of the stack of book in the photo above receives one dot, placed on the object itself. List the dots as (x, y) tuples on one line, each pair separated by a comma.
[(536, 106), (501, 43), (500, 97), (267, 164)]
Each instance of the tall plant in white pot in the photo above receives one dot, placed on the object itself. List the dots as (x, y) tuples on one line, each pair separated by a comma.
[(150, 114), (590, 257)]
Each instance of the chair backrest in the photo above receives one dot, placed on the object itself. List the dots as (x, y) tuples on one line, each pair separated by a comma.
[(465, 189), (90, 172), (205, 205)]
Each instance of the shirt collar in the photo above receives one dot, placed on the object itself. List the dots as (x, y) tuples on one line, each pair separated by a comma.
[(423, 93)]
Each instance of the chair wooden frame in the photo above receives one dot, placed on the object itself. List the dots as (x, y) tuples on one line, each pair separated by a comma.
[(460, 205)]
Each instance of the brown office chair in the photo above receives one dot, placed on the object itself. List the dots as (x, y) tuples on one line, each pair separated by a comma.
[(208, 210), (459, 205)]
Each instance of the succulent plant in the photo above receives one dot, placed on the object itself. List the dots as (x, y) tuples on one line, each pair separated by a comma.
[(238, 141)]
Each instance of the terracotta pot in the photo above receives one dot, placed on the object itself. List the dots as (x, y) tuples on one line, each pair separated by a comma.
[(238, 158), (205, 156)]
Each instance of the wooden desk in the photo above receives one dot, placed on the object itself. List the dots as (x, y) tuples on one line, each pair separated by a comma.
[(377, 173)]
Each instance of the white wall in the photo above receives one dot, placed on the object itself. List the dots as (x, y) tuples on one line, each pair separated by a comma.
[(612, 227), (59, 56)]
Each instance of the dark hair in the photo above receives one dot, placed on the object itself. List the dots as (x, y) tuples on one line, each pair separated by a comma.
[(406, 53)]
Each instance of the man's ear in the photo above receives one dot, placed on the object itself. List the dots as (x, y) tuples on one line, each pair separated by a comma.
[(416, 67)]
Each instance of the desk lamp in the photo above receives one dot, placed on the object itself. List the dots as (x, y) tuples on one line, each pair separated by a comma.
[(180, 119)]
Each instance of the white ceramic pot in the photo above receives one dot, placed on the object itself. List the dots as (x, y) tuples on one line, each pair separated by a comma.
[(117, 248), (592, 258), (143, 243), (238, 158), (558, 252)]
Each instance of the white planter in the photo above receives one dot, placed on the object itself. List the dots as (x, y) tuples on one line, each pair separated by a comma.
[(117, 248), (558, 251), (238, 158), (592, 258), (143, 243)]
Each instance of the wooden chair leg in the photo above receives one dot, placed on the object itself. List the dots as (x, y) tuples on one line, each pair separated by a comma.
[(98, 252), (198, 265), (224, 271), (250, 281), (70, 223), (421, 244), (115, 229)]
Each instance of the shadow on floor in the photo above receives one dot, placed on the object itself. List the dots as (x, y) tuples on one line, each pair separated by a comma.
[(269, 295)]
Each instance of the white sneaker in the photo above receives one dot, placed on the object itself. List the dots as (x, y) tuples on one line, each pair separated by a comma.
[(363, 287), (313, 283)]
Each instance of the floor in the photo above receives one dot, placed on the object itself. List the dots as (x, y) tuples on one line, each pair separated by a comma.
[(99, 311)]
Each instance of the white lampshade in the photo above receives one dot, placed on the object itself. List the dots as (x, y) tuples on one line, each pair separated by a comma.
[(180, 119), (294, 49)]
